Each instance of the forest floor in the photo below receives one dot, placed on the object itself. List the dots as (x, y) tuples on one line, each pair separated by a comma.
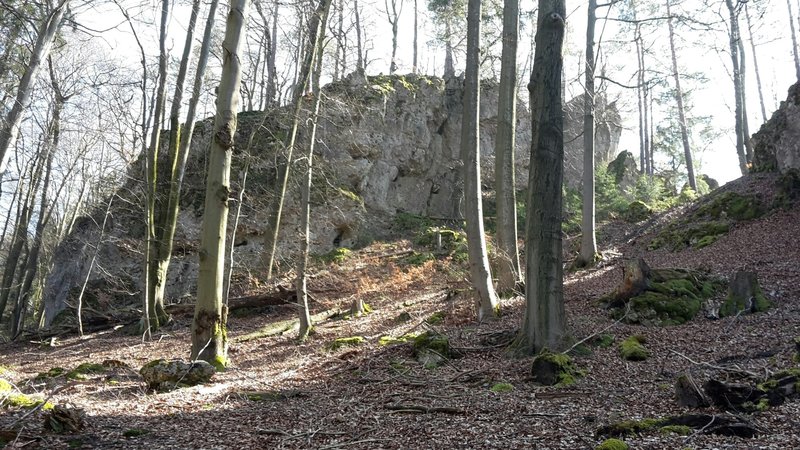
[(374, 396)]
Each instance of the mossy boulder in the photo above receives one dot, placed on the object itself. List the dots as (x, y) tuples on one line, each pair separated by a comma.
[(638, 211), (712, 219), (744, 295), (633, 349), (432, 349), (163, 374), (81, 372), (554, 369), (350, 341), (722, 424), (661, 297), (612, 444)]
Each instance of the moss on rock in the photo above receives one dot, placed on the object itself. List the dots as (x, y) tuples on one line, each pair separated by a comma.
[(613, 444), (80, 372), (502, 387), (638, 211), (631, 349), (554, 369), (432, 349), (351, 341)]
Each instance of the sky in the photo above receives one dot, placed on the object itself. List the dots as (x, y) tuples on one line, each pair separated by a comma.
[(713, 98)]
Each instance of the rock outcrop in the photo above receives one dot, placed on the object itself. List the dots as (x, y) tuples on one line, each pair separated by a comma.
[(608, 129), (776, 146), (386, 144)]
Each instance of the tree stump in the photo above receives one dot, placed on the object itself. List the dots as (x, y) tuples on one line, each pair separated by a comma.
[(744, 295), (635, 279)]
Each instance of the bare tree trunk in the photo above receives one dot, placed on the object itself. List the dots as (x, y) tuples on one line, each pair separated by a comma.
[(272, 77), (166, 204), (449, 65), (154, 313), (588, 252), (748, 147), (414, 67), (394, 17), (209, 336), (359, 45), (544, 323), (755, 64), (470, 154), (640, 94), (679, 98), (794, 40), (509, 271), (738, 86), (318, 37), (273, 230), (44, 42)]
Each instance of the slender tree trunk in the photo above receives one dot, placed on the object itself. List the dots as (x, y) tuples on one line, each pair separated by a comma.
[(449, 65), (305, 217), (640, 93), (273, 226), (50, 148), (544, 323), (44, 42), (470, 153), (416, 38), (209, 336), (394, 18), (755, 64), (272, 77), (794, 40), (154, 313), (679, 99), (359, 45), (508, 272), (738, 86), (166, 204), (748, 147), (588, 252)]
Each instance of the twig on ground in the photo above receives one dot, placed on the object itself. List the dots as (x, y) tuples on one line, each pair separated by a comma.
[(345, 444), (712, 366)]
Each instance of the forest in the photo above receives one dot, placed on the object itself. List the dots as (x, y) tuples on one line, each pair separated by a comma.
[(400, 224)]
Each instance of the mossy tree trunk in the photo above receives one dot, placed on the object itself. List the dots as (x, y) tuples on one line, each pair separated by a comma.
[(209, 337), (170, 167), (316, 46), (544, 323), (508, 271), (480, 272)]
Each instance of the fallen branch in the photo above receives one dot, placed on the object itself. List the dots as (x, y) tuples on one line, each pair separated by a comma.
[(345, 444), (286, 326), (712, 366)]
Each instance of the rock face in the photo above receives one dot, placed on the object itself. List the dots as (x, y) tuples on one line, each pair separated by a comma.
[(608, 129), (776, 146), (386, 144)]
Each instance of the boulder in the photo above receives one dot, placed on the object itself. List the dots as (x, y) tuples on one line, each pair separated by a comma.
[(776, 146), (161, 373), (551, 369)]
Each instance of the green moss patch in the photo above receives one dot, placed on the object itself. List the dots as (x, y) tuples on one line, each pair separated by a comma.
[(711, 220), (666, 297), (432, 349), (612, 444), (352, 341), (502, 387), (80, 372), (436, 318), (391, 340), (638, 211), (632, 349), (336, 256), (554, 369)]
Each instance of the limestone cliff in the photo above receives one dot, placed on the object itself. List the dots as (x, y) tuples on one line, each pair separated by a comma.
[(776, 146)]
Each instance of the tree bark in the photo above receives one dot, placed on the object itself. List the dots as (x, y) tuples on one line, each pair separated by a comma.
[(738, 86), (755, 64), (273, 230), (509, 271), (588, 252), (544, 323), (748, 147), (209, 336), (470, 154), (359, 45), (687, 151), (794, 40), (44, 42), (414, 67), (317, 37)]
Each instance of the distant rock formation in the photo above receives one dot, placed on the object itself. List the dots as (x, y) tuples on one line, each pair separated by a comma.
[(776, 146), (386, 144), (608, 129)]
